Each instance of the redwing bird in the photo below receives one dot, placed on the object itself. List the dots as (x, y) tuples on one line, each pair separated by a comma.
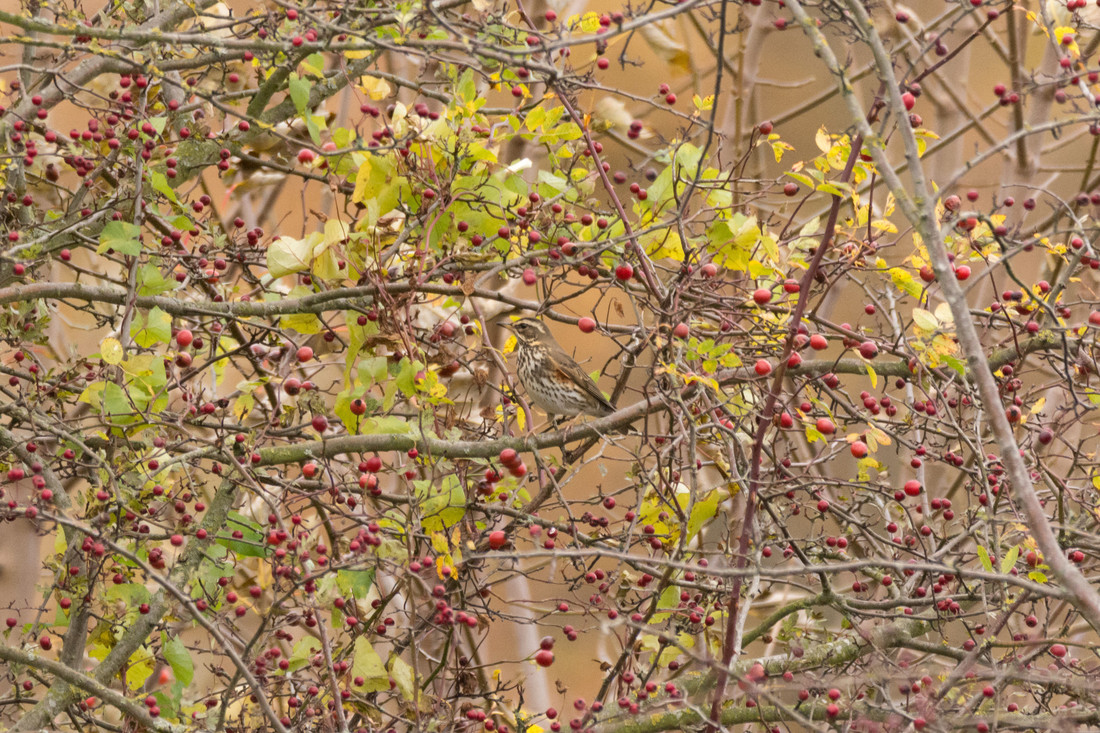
[(555, 383)]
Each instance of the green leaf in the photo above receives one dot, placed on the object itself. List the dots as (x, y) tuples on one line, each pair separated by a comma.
[(367, 664), (357, 338), (314, 64), (957, 364), (251, 543), (132, 594), (179, 659), (1037, 576), (388, 425), (156, 328), (983, 556), (466, 88), (299, 92), (703, 511), (115, 401), (151, 282), (442, 506), (303, 650), (1009, 560), (356, 583), (406, 376), (121, 236), (160, 185)]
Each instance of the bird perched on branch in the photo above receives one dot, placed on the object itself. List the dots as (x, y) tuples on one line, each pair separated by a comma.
[(555, 382)]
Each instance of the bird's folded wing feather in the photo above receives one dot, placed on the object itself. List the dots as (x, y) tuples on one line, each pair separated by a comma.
[(572, 371)]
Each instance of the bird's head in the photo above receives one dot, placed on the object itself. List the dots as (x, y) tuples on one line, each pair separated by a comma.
[(530, 331)]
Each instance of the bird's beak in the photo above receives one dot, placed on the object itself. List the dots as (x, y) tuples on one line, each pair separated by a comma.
[(505, 324)]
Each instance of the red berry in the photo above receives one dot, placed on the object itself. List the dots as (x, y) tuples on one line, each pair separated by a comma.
[(825, 426), (763, 367), (818, 342), (762, 296), (962, 272), (497, 539), (586, 325), (544, 657), (305, 354), (624, 272), (184, 338), (859, 449), (1058, 650), (681, 331)]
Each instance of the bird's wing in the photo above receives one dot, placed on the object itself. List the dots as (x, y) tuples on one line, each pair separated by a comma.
[(573, 371)]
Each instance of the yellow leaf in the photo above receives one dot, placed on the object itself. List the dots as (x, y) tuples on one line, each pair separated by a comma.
[(110, 350), (287, 254), (243, 405), (904, 282), (670, 247), (925, 320), (367, 664), (944, 315), (778, 148), (880, 437), (873, 375), (1063, 32), (403, 676), (375, 88)]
